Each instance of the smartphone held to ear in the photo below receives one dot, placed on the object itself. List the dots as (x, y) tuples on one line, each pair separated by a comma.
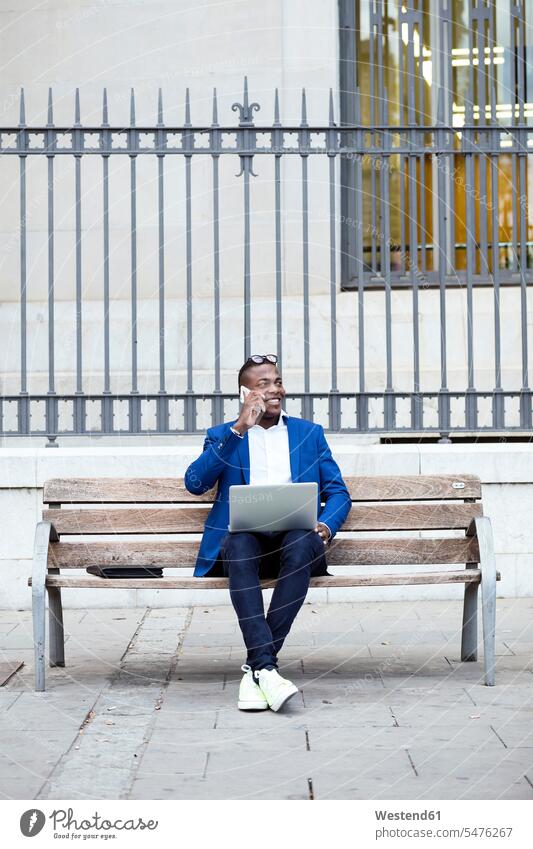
[(242, 397)]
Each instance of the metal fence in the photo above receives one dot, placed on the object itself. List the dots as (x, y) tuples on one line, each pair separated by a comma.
[(248, 144), (441, 178)]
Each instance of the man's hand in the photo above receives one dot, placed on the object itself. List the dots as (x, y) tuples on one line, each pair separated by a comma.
[(252, 410), (323, 531)]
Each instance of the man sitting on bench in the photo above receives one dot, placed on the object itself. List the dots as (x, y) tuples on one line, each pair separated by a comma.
[(266, 446)]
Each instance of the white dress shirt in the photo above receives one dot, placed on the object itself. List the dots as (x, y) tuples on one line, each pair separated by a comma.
[(269, 453)]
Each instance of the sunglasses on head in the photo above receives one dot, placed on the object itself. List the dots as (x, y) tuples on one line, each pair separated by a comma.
[(262, 358)]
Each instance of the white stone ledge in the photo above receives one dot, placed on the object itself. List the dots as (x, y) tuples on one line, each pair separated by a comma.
[(494, 463)]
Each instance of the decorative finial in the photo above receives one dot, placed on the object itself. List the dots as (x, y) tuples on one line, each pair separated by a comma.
[(160, 108), (276, 108), (105, 116), (187, 107), (132, 108), (303, 122), (50, 115), (246, 110), (214, 121), (77, 111), (22, 110)]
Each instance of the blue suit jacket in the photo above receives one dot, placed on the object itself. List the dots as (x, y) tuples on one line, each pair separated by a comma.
[(226, 459)]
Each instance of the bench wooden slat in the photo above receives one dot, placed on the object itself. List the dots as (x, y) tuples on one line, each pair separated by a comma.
[(463, 576), (172, 490), (141, 520), (79, 555), (408, 517), (343, 552), (121, 491), (413, 487), (175, 520)]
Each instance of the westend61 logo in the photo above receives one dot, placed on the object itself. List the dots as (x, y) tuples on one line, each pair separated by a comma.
[(66, 826)]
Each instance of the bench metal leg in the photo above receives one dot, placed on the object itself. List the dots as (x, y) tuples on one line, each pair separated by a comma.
[(488, 593), (38, 593), (55, 620), (469, 630)]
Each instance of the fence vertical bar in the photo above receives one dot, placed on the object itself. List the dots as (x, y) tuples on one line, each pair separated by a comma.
[(162, 398), (483, 71), (403, 211), (23, 400), (447, 249), (413, 255), (217, 410), (246, 139), (521, 143), (373, 117), (498, 405), (444, 397), (334, 398), (389, 406), (51, 397), (247, 287), (412, 135), (424, 228), (468, 147), (277, 144), (107, 401), (522, 265), (515, 82), (403, 159), (79, 401), (378, 20), (362, 401), (422, 154), (347, 95), (304, 140), (134, 401), (498, 409), (188, 139)]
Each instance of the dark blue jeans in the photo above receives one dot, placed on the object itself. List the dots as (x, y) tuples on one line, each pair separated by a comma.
[(290, 556)]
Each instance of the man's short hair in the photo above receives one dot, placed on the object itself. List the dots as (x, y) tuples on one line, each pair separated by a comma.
[(248, 365)]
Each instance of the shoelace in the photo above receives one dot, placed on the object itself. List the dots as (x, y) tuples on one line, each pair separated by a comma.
[(246, 668)]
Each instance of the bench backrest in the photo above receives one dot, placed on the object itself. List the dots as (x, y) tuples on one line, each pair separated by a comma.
[(135, 506)]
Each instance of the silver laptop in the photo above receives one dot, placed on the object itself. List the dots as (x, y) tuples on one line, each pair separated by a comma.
[(267, 508)]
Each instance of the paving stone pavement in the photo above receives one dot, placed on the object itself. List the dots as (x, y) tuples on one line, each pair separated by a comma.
[(146, 708)]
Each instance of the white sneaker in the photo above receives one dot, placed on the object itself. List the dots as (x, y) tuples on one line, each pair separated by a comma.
[(250, 694), (277, 690)]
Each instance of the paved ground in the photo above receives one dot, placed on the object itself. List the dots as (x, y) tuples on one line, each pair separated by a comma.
[(145, 708)]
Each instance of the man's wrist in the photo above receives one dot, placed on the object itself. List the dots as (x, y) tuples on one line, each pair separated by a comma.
[(237, 430), (329, 531)]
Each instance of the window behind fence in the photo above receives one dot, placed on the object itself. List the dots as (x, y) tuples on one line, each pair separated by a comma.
[(433, 84)]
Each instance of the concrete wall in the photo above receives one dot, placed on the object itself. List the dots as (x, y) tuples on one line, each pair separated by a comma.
[(506, 472)]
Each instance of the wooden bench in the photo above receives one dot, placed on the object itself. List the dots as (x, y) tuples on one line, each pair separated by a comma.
[(163, 506)]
